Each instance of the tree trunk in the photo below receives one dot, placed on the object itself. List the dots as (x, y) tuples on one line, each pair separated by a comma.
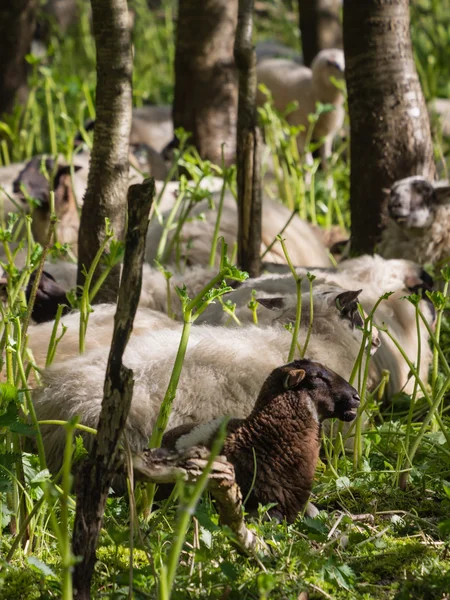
[(17, 24), (108, 173), (248, 152), (320, 27), (97, 472), (205, 76), (389, 125)]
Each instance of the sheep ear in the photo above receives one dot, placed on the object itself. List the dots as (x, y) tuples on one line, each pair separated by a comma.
[(293, 378), (346, 299), (272, 303), (442, 194)]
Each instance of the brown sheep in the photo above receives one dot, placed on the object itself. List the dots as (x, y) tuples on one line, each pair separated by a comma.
[(282, 434)]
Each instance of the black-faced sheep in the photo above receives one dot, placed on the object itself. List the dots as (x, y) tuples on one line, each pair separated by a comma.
[(418, 227), (281, 435), (220, 372), (289, 82)]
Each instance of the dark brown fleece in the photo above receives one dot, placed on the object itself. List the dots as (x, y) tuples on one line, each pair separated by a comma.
[(284, 438), (282, 434)]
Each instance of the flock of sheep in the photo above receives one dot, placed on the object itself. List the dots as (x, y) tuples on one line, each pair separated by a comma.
[(228, 360)]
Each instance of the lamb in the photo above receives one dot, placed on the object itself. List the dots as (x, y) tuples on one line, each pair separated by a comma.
[(281, 434), (418, 227), (289, 82), (196, 235), (220, 374)]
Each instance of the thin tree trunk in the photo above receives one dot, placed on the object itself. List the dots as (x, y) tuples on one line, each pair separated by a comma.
[(108, 173), (320, 26), (389, 125), (205, 96), (97, 472), (17, 24), (248, 151)]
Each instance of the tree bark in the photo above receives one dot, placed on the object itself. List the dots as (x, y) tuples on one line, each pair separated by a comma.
[(17, 24), (248, 150), (320, 27), (205, 96), (389, 125), (97, 472), (108, 173)]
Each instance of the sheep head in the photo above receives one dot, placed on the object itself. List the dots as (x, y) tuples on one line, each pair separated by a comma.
[(329, 301), (48, 296), (328, 63), (37, 185), (331, 395), (414, 200)]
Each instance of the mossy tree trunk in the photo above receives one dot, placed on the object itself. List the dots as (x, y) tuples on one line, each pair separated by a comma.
[(108, 174), (389, 125), (248, 151), (17, 25), (205, 76), (320, 26)]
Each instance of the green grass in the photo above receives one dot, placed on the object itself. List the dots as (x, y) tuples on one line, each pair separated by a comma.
[(402, 553)]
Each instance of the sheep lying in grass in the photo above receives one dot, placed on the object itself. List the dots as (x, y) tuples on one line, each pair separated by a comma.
[(376, 276), (99, 331), (281, 435), (419, 222), (196, 235), (290, 82), (222, 372)]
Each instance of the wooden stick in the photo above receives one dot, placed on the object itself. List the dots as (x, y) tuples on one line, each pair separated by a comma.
[(97, 472)]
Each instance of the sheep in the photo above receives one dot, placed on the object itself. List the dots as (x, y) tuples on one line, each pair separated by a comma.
[(281, 435), (37, 186), (376, 276), (152, 125), (196, 235), (220, 374), (99, 331), (419, 219), (7, 175), (154, 293), (289, 82)]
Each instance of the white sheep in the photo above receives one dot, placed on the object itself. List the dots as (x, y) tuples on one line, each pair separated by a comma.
[(289, 82), (222, 373), (419, 223), (99, 331), (196, 235), (376, 276)]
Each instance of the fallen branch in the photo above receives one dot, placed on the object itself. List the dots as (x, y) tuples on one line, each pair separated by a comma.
[(168, 466)]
